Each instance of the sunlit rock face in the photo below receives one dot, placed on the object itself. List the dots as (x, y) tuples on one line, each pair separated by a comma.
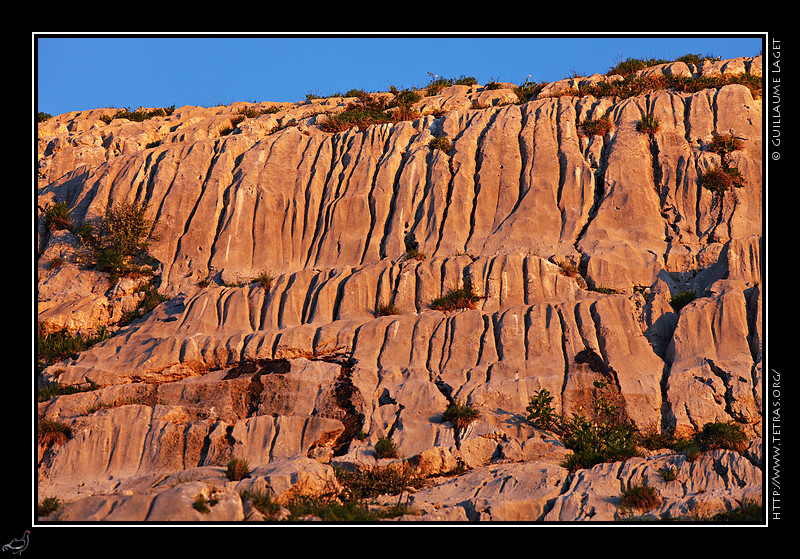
[(579, 248)]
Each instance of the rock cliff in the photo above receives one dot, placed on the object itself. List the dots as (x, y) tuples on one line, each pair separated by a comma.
[(593, 257)]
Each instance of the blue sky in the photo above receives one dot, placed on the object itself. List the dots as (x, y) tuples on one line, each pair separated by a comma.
[(74, 72)]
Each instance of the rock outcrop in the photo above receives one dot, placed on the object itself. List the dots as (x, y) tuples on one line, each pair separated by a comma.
[(577, 247)]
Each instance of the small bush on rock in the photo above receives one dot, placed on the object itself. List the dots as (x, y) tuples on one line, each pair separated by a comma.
[(641, 497), (238, 469), (387, 309), (57, 217), (721, 435), (648, 124), (721, 179), (460, 416), (52, 432), (385, 448), (461, 298), (725, 143), (261, 501), (48, 506), (442, 143), (597, 127), (122, 238), (540, 411), (607, 437)]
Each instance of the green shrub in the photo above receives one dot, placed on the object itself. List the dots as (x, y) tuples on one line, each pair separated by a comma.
[(539, 409), (648, 124), (681, 300), (52, 347), (150, 300), (414, 254), (408, 97), (52, 389), (437, 83), (460, 415), (442, 143), (122, 239), (696, 59), (593, 442), (528, 90), (461, 298), (139, 115), (366, 112), (237, 469), (385, 448), (712, 436), (641, 497), (48, 506), (261, 501), (689, 447), (368, 482), (630, 65), (41, 117), (56, 217), (332, 510), (631, 86), (656, 441), (605, 438), (668, 474), (718, 435)]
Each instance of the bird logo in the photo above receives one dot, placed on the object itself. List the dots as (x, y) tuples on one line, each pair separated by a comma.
[(18, 545)]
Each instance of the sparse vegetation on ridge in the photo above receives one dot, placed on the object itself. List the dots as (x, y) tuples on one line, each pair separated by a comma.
[(139, 115), (367, 111)]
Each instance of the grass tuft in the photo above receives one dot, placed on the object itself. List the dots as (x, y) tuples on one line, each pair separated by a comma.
[(648, 124), (387, 309), (641, 497), (461, 298), (238, 469)]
